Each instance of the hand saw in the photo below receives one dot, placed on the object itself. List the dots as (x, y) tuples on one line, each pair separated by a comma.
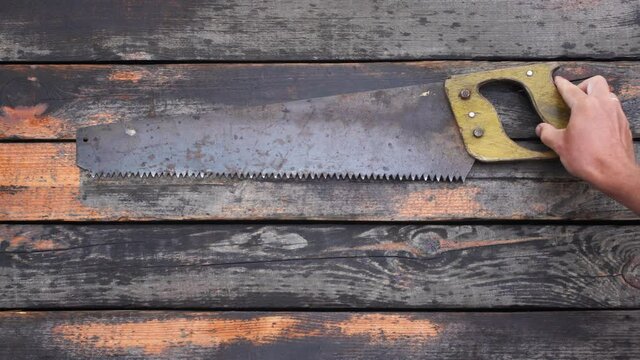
[(426, 132)]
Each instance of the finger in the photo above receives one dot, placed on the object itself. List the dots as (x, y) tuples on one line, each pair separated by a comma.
[(615, 103), (596, 86), (569, 92), (550, 136), (583, 85), (620, 113)]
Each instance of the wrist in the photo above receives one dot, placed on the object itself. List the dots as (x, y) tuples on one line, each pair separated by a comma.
[(620, 184)]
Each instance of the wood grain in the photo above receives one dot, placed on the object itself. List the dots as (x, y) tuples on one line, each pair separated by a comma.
[(40, 181), (243, 30), (52, 101), (247, 266), (330, 335)]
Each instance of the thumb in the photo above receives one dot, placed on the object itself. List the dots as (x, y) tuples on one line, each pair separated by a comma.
[(550, 136)]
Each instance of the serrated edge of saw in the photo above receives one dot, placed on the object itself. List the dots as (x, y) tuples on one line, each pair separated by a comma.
[(280, 176)]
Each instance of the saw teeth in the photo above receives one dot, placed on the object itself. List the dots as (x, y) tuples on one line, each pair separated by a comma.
[(277, 176)]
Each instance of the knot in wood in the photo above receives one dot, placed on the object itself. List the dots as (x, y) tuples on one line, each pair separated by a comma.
[(631, 272), (427, 242)]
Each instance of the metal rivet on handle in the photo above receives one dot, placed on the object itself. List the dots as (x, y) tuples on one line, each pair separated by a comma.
[(472, 114), (529, 73), (478, 132), (465, 94)]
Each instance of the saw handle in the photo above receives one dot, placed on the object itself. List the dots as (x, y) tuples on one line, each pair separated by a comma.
[(479, 124)]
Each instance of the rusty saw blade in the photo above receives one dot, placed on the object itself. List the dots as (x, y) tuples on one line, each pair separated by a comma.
[(398, 133)]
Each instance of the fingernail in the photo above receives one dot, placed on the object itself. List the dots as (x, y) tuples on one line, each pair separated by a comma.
[(558, 78), (538, 129)]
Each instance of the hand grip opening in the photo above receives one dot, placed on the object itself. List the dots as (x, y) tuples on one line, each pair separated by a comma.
[(479, 124)]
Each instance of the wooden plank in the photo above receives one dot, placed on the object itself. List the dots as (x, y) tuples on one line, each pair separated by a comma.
[(332, 335), (52, 101), (40, 181), (242, 30), (243, 266)]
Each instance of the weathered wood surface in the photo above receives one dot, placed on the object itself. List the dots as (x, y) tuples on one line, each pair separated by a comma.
[(251, 266), (331, 335), (243, 30), (52, 101), (318, 266), (40, 181)]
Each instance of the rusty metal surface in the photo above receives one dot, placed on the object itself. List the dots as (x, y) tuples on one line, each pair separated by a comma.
[(406, 132)]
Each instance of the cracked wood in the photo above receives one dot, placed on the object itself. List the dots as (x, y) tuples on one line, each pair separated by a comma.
[(319, 266)]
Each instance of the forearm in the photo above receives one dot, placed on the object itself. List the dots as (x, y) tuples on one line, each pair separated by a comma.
[(625, 188)]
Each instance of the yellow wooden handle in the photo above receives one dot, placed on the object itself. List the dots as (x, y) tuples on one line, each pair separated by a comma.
[(480, 126)]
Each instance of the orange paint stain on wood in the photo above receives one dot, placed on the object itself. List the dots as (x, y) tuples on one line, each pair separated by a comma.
[(128, 76), (155, 337), (40, 182), (45, 203), (448, 245), (12, 315), (17, 241), (29, 122), (436, 202), (33, 165), (45, 244), (571, 70), (444, 245), (381, 328), (629, 91)]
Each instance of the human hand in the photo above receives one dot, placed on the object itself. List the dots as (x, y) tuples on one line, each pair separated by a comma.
[(597, 145)]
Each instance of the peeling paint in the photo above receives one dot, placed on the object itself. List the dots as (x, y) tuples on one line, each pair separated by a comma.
[(29, 122), (380, 328), (459, 201), (157, 336), (49, 181), (17, 241), (44, 245), (128, 76)]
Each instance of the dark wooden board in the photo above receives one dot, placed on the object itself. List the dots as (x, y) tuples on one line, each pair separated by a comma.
[(52, 101), (276, 266), (243, 30), (319, 266), (331, 335), (40, 181)]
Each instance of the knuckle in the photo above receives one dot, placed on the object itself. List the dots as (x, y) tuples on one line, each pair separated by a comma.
[(585, 103)]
